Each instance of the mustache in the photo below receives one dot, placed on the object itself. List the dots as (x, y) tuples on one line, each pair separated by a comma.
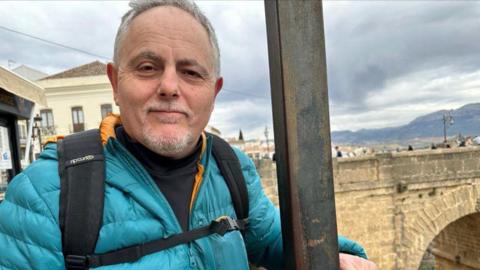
[(169, 107)]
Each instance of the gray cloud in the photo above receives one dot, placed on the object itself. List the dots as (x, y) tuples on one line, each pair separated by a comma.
[(372, 43), (387, 61), (241, 31), (86, 26)]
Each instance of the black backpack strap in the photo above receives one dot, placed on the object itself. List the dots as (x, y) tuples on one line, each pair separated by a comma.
[(82, 176), (231, 170), (133, 253)]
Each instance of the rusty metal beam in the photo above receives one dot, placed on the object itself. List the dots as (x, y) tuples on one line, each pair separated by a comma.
[(298, 80)]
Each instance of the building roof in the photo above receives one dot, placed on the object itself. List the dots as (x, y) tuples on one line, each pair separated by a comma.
[(29, 73), (21, 87), (91, 69)]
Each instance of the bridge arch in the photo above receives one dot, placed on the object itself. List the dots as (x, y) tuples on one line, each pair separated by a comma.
[(421, 227), (458, 245)]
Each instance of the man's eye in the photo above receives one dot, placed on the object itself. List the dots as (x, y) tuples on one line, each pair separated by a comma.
[(146, 68)]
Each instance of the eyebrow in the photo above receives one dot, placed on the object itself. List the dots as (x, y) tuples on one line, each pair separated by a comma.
[(195, 63), (146, 55)]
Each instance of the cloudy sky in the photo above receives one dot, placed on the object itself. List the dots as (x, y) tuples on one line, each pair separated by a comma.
[(388, 61)]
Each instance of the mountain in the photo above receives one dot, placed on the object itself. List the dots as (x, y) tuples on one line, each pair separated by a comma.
[(426, 127)]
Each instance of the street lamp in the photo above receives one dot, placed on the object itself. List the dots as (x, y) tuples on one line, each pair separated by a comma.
[(38, 119), (447, 121)]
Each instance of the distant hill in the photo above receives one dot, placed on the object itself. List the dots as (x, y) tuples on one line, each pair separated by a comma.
[(423, 128)]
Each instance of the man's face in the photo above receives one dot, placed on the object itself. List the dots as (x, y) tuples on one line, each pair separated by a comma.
[(164, 83)]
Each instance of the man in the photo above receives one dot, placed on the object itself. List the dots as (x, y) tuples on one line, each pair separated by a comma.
[(161, 178), (339, 153)]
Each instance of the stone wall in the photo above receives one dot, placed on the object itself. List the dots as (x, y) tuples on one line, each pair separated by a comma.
[(395, 204), (267, 169), (458, 245)]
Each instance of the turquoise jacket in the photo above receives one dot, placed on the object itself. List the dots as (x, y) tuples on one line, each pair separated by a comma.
[(136, 212)]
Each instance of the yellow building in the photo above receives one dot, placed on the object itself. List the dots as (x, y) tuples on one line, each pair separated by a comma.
[(78, 99)]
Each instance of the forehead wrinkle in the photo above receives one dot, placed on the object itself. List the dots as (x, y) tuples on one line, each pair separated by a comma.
[(150, 33), (152, 37), (178, 40)]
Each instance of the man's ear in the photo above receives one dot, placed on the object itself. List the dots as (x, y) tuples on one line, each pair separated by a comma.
[(218, 85), (112, 73)]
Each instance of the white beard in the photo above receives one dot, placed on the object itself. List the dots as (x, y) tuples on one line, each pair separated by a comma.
[(166, 146)]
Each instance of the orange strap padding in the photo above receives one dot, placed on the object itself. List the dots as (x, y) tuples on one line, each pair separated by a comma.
[(107, 126), (53, 139), (200, 170)]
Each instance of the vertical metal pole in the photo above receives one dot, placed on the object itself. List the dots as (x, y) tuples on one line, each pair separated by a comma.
[(302, 133), (29, 142)]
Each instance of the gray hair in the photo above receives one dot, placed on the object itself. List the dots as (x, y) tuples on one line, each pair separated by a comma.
[(140, 6)]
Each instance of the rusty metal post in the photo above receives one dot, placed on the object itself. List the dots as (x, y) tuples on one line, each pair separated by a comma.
[(298, 79)]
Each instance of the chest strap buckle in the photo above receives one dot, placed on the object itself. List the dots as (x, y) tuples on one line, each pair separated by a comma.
[(76, 262), (225, 224)]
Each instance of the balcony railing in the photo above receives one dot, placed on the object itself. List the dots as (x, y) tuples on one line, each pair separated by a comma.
[(48, 130)]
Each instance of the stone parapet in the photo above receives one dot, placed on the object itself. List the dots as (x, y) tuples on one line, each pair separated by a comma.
[(395, 204)]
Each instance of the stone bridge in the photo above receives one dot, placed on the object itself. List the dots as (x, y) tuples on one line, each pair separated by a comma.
[(407, 206)]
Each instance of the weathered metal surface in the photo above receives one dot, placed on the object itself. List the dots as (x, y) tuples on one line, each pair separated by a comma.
[(302, 133)]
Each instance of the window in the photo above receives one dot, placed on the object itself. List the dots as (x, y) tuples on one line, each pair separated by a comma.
[(22, 130), (106, 109), (47, 118), (77, 119), (46, 125)]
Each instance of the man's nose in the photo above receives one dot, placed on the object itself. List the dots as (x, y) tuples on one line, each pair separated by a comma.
[(169, 84)]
